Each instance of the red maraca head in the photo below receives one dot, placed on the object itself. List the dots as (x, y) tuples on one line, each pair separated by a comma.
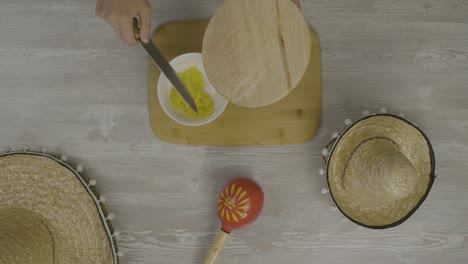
[(239, 204)]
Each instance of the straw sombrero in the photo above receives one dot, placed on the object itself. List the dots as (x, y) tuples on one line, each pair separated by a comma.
[(379, 170), (50, 214)]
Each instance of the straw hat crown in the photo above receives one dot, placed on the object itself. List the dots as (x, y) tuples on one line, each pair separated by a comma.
[(378, 166)]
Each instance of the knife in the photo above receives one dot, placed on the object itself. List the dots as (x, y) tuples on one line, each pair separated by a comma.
[(165, 67)]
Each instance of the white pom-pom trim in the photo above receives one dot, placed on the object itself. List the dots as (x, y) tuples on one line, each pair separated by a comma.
[(120, 253), (344, 220), (383, 111), (324, 152), (116, 233), (79, 168), (44, 150), (110, 216), (348, 122), (324, 190), (102, 199), (366, 113), (26, 149), (402, 115), (322, 171), (333, 208), (63, 158), (92, 182), (335, 135)]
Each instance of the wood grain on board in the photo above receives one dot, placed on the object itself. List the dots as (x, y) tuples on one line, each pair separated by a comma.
[(256, 52)]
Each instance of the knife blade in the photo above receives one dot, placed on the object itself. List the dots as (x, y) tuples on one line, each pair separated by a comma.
[(165, 68)]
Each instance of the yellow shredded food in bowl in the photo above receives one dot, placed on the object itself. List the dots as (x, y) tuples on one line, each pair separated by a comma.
[(195, 83)]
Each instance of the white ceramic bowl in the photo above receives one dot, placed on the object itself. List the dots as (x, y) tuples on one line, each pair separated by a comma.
[(182, 63)]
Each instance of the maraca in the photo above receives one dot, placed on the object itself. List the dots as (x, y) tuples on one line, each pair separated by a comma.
[(239, 204)]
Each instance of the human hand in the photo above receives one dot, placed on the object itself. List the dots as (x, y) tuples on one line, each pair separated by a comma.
[(120, 13)]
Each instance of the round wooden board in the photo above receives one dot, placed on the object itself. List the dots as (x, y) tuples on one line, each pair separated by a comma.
[(256, 52)]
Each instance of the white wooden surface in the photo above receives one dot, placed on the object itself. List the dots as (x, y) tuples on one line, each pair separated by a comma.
[(68, 84)]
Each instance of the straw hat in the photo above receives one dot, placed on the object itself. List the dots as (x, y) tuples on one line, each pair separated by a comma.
[(49, 214), (380, 170)]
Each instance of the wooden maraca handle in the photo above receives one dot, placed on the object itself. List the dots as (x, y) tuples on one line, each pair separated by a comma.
[(216, 248)]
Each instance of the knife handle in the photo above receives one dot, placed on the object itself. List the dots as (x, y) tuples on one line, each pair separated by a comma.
[(136, 29)]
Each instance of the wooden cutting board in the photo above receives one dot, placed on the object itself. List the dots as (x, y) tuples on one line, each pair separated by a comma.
[(256, 52), (294, 119)]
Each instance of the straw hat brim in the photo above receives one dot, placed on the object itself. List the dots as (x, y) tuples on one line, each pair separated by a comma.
[(360, 205), (50, 213)]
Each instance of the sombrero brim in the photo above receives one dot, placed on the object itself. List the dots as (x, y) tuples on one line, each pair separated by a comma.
[(413, 143), (50, 193)]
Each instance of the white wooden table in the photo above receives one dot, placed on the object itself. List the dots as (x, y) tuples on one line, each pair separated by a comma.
[(67, 83)]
